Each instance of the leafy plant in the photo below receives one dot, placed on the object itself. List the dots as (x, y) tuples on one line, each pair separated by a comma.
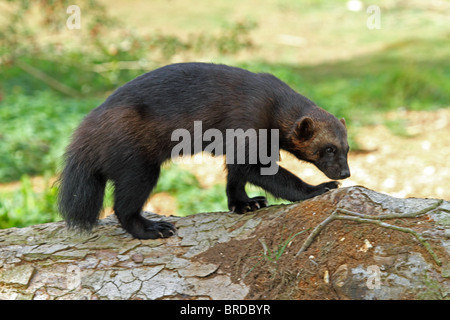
[(35, 130), (275, 255), (27, 206)]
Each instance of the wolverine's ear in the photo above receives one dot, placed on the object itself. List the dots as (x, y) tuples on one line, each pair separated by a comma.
[(304, 129), (343, 122)]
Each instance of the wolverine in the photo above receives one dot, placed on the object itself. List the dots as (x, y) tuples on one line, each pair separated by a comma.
[(130, 135)]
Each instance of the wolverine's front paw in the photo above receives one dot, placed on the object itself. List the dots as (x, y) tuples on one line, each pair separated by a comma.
[(251, 204), (322, 188), (330, 185)]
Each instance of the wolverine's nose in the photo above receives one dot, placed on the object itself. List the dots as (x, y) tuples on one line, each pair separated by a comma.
[(345, 173)]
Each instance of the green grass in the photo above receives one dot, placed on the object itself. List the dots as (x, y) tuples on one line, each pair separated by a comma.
[(273, 255), (24, 207), (191, 197), (35, 130)]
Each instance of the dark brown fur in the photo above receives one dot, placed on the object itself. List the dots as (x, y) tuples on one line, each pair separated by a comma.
[(128, 137)]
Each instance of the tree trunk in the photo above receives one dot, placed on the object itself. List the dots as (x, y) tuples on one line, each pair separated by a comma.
[(350, 243)]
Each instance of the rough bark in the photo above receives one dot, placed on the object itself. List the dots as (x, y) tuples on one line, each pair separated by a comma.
[(350, 243)]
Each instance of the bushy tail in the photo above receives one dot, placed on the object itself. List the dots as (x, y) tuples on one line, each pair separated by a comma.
[(81, 194)]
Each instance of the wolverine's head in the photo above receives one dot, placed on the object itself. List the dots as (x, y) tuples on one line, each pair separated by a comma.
[(322, 140)]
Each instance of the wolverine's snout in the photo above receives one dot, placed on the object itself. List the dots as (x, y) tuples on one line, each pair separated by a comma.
[(345, 173), (345, 170), (336, 171)]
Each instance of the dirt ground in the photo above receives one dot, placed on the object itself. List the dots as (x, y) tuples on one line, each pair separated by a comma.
[(413, 166), (415, 163), (309, 276)]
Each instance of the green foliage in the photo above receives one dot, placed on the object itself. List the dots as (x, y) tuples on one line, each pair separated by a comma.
[(398, 127), (35, 130), (93, 61), (191, 197), (275, 254), (229, 40), (26, 206), (174, 179)]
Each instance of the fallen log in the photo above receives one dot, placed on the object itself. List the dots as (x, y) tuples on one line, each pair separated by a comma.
[(350, 243)]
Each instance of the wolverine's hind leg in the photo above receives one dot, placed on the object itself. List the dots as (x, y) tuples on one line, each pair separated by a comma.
[(132, 189)]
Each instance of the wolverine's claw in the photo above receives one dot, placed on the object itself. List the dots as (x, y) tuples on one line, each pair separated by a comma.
[(251, 204)]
